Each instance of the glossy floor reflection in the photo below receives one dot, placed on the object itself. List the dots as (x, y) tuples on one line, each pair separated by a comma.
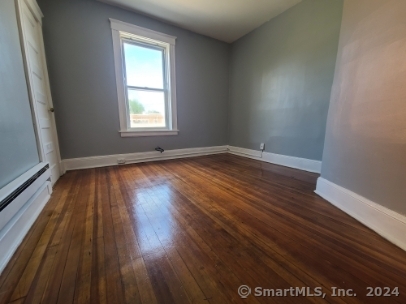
[(192, 231)]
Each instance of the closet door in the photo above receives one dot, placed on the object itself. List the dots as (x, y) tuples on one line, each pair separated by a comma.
[(38, 84)]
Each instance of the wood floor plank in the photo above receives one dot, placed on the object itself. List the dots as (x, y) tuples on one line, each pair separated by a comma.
[(232, 253), (231, 225), (51, 291), (192, 231), (15, 268), (318, 209), (38, 286), (30, 271), (161, 200), (98, 277), (170, 287), (184, 272), (324, 232), (125, 257), (84, 274), (70, 272), (114, 285), (280, 240)]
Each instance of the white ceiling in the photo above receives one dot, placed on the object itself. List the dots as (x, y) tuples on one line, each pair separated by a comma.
[(226, 20)]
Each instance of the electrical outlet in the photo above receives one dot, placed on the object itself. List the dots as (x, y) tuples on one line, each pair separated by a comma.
[(262, 146), (121, 161)]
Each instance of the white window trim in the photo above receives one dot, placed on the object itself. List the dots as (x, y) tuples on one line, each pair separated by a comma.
[(118, 27)]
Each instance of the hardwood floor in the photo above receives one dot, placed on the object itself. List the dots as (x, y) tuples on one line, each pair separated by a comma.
[(194, 230)]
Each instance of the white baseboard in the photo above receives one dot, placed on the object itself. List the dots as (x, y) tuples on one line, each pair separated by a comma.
[(254, 154), (14, 232), (387, 223), (278, 159), (110, 160)]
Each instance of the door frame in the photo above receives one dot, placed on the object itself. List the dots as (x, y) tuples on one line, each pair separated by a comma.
[(37, 15)]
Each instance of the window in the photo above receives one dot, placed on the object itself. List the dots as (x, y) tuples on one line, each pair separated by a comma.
[(145, 76)]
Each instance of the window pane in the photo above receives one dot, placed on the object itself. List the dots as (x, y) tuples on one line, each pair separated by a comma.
[(146, 108), (144, 66)]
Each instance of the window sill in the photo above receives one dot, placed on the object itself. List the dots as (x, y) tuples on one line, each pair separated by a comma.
[(148, 133)]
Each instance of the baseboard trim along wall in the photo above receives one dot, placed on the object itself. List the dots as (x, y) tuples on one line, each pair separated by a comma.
[(387, 223), (309, 165), (131, 158)]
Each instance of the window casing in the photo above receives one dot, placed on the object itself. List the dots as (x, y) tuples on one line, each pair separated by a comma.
[(163, 94)]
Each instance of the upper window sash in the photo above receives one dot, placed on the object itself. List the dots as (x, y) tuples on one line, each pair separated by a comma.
[(165, 62)]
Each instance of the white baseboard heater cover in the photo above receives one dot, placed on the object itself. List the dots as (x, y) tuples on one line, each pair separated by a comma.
[(16, 194)]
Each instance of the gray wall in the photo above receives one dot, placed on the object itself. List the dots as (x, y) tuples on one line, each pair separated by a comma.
[(79, 51), (18, 148), (280, 80), (365, 149)]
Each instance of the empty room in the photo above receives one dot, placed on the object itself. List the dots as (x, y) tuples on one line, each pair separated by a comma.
[(202, 151)]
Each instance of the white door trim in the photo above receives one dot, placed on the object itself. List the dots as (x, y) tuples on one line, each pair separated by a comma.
[(35, 9), (37, 17), (51, 105)]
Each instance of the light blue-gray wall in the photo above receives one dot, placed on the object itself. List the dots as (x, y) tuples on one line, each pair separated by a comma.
[(280, 80), (18, 147), (79, 51), (365, 149)]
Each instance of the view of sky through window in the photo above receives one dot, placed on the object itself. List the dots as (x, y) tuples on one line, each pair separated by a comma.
[(144, 66)]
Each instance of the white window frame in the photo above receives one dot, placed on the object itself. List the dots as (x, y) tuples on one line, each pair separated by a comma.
[(121, 31)]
